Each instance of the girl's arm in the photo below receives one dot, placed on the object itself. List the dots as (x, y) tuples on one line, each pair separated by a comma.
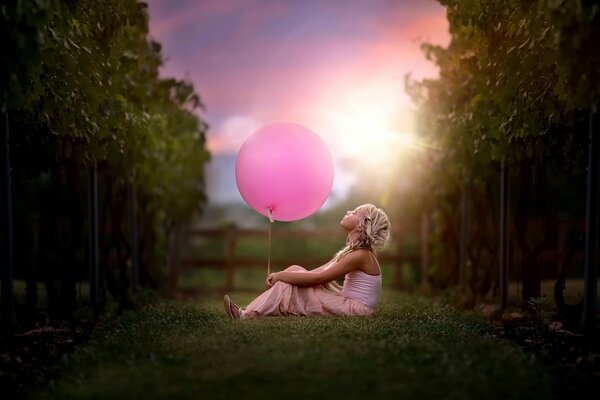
[(269, 282), (322, 267), (320, 276)]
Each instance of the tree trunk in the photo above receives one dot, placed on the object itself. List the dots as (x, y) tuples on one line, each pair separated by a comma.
[(571, 313), (134, 237), (531, 277), (464, 237), (173, 258), (30, 270), (504, 234), (528, 271)]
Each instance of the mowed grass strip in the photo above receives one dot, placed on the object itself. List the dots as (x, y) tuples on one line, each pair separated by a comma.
[(412, 348)]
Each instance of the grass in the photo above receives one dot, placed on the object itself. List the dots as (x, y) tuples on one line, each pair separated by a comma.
[(411, 348)]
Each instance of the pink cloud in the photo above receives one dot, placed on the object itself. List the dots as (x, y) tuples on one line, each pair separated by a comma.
[(262, 75), (194, 11)]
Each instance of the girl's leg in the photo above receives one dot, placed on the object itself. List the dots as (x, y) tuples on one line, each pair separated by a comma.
[(283, 299)]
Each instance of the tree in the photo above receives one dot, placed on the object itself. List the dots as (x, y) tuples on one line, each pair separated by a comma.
[(83, 89), (515, 84)]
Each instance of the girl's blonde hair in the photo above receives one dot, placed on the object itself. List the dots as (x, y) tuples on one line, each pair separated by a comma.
[(372, 233)]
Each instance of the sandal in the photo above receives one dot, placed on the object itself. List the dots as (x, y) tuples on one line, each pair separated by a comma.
[(231, 308)]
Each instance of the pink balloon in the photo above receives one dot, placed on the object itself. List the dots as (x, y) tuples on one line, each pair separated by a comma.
[(286, 168)]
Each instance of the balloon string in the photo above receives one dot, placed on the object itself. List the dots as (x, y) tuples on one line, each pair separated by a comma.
[(269, 247)]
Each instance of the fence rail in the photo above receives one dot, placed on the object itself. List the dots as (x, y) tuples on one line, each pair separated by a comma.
[(229, 262)]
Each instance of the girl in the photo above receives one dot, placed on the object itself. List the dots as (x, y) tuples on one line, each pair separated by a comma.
[(296, 291)]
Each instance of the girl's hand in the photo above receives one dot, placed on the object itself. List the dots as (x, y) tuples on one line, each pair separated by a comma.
[(270, 280)]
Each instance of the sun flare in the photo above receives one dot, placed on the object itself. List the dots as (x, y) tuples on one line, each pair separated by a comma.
[(373, 133), (371, 127)]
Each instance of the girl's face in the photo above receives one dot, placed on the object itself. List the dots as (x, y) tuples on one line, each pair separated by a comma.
[(350, 220)]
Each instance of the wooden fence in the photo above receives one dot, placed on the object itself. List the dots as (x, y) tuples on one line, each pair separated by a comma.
[(229, 261)]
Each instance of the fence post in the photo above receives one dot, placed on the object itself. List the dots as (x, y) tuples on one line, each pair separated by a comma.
[(424, 249), (397, 279), (229, 253)]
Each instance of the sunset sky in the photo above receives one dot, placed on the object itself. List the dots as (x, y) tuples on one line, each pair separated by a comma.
[(334, 66)]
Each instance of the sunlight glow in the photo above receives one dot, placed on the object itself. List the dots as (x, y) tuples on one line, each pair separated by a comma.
[(371, 129)]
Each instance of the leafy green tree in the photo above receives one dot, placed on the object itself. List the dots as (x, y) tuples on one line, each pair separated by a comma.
[(516, 84), (83, 90)]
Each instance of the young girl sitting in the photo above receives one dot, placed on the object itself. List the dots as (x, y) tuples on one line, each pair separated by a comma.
[(296, 291)]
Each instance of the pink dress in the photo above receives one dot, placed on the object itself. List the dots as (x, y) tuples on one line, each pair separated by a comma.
[(360, 294)]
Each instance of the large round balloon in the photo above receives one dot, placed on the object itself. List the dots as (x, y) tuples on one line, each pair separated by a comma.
[(285, 168)]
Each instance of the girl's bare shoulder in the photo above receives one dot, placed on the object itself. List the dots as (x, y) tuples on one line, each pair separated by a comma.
[(361, 253), (368, 261)]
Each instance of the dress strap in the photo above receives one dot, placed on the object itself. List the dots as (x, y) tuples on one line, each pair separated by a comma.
[(375, 260)]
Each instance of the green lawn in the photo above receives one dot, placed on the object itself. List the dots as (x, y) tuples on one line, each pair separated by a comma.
[(412, 348)]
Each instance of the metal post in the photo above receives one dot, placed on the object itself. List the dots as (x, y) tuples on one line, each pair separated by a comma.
[(94, 270), (503, 248), (6, 238), (591, 231)]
